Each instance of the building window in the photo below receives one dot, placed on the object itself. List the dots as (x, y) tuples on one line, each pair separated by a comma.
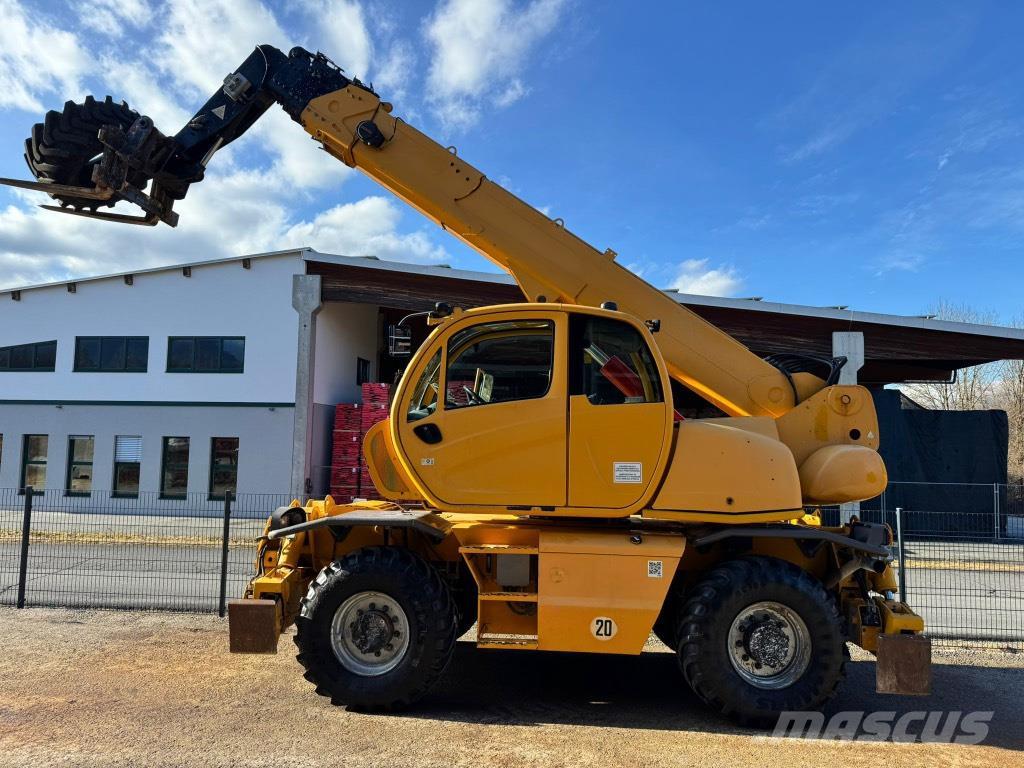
[(362, 370), (127, 465), (205, 354), (174, 468), (112, 354), (41, 356), (80, 451), (33, 462), (223, 466)]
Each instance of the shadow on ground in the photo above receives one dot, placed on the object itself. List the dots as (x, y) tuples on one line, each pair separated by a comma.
[(519, 688)]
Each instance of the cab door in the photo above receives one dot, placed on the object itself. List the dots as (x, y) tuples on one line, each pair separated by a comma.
[(496, 435), (620, 415)]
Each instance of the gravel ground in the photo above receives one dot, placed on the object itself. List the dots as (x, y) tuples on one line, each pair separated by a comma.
[(134, 689)]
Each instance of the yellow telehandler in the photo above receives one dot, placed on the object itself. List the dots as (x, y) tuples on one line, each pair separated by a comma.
[(540, 483)]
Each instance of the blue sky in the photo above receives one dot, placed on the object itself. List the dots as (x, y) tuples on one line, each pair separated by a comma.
[(825, 154)]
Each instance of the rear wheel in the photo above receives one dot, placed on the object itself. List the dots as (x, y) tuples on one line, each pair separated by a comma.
[(376, 629), (759, 636)]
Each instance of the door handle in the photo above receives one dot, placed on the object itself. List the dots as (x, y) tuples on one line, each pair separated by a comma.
[(428, 433)]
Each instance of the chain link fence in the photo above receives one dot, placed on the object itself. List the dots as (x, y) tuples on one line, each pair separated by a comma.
[(962, 566)]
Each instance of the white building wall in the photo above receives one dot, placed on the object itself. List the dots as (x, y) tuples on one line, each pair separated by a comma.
[(217, 300), (344, 332), (264, 443)]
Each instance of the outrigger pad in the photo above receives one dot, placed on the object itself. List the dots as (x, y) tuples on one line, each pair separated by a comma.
[(904, 665), (253, 626)]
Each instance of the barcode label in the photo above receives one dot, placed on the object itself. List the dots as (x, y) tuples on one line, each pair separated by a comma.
[(655, 569)]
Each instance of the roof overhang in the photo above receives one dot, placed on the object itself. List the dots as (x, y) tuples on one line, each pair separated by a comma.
[(897, 348)]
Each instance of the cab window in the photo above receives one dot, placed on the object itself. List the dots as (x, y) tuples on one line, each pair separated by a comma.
[(424, 394), (499, 362), (611, 363)]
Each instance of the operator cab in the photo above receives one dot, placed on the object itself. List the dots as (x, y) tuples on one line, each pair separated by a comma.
[(572, 398)]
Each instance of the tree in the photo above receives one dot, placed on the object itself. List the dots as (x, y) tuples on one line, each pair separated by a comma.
[(994, 385), (1009, 395), (972, 389)]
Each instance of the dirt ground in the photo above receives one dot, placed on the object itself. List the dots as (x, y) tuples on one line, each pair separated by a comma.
[(134, 689)]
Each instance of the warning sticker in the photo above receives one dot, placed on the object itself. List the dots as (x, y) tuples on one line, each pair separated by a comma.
[(627, 472)]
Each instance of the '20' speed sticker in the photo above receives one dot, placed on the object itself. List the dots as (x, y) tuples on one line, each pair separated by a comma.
[(603, 628)]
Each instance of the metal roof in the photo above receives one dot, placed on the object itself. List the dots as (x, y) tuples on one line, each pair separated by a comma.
[(899, 347)]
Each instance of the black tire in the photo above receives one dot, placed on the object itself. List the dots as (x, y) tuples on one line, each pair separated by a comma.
[(418, 590), (62, 147), (703, 629)]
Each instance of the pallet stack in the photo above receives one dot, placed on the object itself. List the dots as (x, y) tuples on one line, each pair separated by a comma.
[(350, 478), (376, 399), (345, 452)]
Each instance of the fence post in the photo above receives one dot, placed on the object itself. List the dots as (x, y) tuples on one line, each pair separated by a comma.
[(995, 509), (26, 528), (222, 609), (901, 554)]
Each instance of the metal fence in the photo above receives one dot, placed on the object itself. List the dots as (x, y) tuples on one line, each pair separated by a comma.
[(962, 565), (100, 551)]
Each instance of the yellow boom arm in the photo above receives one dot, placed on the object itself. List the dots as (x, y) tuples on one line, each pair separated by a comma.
[(548, 261)]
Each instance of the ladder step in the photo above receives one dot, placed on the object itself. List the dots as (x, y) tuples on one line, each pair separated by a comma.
[(525, 643), (498, 549), (510, 597)]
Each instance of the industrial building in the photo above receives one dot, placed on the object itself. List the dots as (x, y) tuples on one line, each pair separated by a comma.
[(197, 378)]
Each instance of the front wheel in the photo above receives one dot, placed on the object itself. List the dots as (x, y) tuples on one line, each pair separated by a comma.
[(758, 637), (376, 629)]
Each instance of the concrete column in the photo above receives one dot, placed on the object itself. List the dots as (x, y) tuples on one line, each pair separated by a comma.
[(849, 344), (305, 301)]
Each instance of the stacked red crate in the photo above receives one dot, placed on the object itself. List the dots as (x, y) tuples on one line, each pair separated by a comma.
[(376, 400), (345, 453)]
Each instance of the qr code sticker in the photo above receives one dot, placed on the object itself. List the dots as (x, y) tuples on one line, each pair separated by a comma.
[(654, 569)]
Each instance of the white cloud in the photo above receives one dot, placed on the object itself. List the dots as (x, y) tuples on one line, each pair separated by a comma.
[(366, 227), (342, 34), (695, 276), (202, 41), (37, 59), (299, 163), (479, 49), (109, 17), (392, 75), (146, 92), (249, 200), (226, 215)]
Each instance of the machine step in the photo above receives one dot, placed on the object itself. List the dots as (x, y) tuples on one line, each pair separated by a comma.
[(525, 643), (510, 597), (498, 549)]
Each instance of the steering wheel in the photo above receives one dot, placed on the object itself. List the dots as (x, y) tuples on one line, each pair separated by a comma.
[(474, 398)]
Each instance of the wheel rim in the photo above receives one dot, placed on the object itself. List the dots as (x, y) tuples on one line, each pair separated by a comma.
[(370, 634), (769, 645)]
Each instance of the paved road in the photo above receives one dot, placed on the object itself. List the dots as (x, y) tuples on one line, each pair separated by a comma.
[(955, 603), (123, 575)]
